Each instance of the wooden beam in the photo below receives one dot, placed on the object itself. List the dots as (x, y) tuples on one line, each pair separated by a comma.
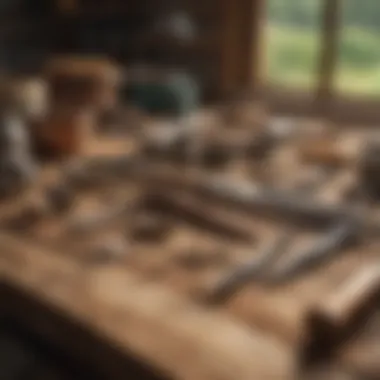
[(231, 24), (252, 53), (241, 44), (329, 51)]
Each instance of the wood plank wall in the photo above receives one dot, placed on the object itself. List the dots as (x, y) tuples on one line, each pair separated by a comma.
[(115, 27), (25, 36), (226, 55), (229, 50)]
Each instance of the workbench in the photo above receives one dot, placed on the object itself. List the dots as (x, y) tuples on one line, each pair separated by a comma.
[(146, 312)]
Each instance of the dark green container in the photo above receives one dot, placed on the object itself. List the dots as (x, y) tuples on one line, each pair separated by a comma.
[(176, 93)]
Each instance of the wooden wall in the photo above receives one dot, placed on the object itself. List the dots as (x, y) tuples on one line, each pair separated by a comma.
[(25, 36), (242, 65), (221, 56), (121, 29)]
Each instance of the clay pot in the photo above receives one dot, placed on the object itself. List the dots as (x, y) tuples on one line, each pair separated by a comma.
[(84, 82), (64, 131)]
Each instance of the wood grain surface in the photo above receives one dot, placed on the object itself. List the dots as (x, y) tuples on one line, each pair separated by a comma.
[(183, 340)]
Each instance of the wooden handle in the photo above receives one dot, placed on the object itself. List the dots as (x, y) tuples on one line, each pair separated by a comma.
[(353, 297), (335, 319)]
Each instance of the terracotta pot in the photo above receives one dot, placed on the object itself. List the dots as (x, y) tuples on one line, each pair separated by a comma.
[(64, 131), (83, 82)]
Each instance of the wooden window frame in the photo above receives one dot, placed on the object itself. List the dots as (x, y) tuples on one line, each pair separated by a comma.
[(242, 64)]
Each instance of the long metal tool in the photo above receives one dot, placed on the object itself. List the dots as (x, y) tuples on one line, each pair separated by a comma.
[(253, 270), (258, 267), (242, 196), (328, 247)]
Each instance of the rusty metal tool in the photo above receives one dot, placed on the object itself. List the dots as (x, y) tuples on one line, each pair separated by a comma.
[(200, 215), (293, 205), (329, 246), (253, 270), (257, 268), (243, 196)]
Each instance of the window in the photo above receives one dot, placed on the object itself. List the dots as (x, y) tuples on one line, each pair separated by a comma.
[(358, 70), (292, 42)]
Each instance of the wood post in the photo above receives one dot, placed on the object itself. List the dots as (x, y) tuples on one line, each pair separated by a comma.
[(229, 46), (329, 52), (256, 28), (242, 25)]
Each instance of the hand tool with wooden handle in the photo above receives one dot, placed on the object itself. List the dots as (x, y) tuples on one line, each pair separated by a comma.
[(333, 321), (258, 267)]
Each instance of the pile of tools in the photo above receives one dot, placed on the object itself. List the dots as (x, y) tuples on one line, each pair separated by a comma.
[(213, 180)]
